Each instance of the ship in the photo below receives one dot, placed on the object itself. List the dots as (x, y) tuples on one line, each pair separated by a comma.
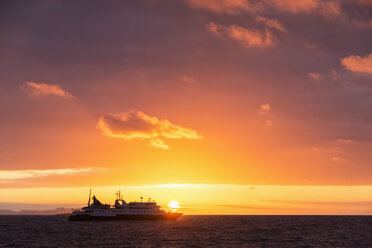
[(121, 210)]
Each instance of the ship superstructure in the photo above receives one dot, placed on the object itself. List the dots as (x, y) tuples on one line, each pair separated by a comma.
[(122, 210)]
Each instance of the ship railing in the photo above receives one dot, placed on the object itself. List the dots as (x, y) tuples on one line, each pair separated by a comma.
[(77, 211)]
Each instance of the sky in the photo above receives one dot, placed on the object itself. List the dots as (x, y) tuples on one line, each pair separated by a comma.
[(227, 106)]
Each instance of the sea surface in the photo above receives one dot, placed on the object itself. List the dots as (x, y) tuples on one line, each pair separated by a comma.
[(189, 231)]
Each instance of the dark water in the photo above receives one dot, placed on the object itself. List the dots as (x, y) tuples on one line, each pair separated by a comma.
[(189, 231)]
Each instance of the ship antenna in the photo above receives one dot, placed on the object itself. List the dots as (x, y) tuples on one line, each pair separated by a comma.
[(90, 192), (118, 195)]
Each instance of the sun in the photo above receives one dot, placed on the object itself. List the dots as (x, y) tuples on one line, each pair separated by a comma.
[(174, 205)]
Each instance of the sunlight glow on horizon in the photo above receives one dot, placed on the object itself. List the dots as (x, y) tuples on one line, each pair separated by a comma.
[(218, 199), (174, 206)]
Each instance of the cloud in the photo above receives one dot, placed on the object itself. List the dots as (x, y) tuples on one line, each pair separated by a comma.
[(315, 149), (338, 159), (362, 24), (38, 89), (223, 6), (189, 80), (214, 28), (158, 143), (315, 76), (263, 110), (358, 64), (345, 141), (137, 125), (356, 203), (365, 2), (330, 9), (334, 74), (265, 107), (311, 46), (294, 6), (271, 23), (20, 174), (268, 123), (244, 207), (246, 37)]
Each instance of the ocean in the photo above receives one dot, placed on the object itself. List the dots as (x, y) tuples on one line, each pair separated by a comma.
[(189, 231)]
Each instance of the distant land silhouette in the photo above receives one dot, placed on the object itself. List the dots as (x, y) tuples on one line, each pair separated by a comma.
[(36, 212)]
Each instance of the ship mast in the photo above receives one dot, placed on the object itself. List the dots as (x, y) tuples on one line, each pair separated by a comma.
[(90, 192), (118, 196)]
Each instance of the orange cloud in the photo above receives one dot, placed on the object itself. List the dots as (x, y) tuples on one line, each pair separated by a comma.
[(328, 9), (137, 125), (358, 64), (294, 6), (271, 23), (338, 159), (215, 29), (263, 110), (38, 89), (265, 107), (315, 76), (222, 6), (246, 37)]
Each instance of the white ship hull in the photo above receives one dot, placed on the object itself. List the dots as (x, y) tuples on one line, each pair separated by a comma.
[(122, 211), (88, 217)]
